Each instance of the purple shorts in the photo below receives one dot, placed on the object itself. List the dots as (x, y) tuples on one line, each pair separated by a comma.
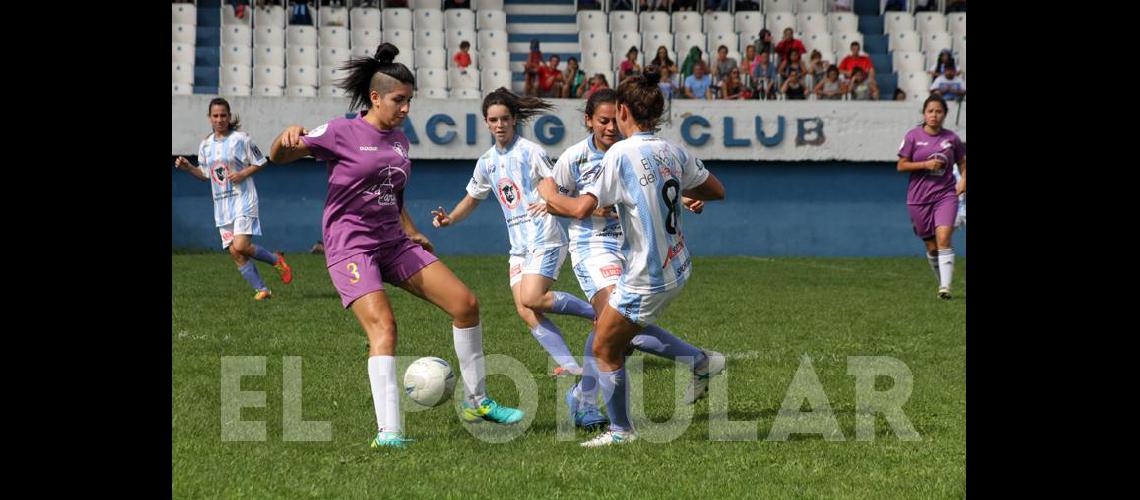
[(928, 216), (365, 272)]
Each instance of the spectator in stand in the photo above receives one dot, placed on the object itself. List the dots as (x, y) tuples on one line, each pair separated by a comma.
[(856, 58), (945, 58), (900, 94), (462, 59), (533, 63), (690, 61), (861, 88), (698, 85), (748, 60), (764, 42), (574, 80), (794, 89), (629, 66), (598, 82), (817, 68), (789, 44), (831, 87), (662, 60), (950, 86), (794, 62), (550, 78), (733, 88), (764, 76), (723, 66)]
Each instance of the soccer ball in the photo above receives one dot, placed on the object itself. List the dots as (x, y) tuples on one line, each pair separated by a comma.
[(429, 381)]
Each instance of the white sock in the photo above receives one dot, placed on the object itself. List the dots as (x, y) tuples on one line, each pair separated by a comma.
[(385, 393), (469, 349), (946, 266), (933, 259)]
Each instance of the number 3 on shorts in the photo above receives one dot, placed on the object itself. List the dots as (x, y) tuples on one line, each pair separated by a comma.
[(352, 269)]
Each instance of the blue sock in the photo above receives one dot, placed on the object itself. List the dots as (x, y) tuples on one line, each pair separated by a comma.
[(656, 340), (264, 255), (249, 272), (565, 303), (588, 386), (616, 393), (550, 337)]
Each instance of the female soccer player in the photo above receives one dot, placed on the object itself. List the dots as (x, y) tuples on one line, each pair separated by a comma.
[(929, 152), (230, 158), (512, 169), (645, 177), (369, 237), (595, 251)]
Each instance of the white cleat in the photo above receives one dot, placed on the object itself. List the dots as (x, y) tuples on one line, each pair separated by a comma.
[(944, 293), (610, 438), (699, 385)]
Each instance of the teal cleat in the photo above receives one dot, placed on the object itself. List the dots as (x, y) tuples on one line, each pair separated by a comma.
[(491, 411)]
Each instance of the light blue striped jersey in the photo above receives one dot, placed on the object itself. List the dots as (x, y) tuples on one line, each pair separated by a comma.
[(218, 158), (513, 174), (644, 176), (593, 235)]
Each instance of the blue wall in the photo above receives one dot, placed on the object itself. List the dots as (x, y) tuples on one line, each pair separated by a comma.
[(773, 208)]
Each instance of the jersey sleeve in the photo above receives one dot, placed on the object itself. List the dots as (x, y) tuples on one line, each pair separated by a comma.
[(253, 154), (693, 171), (321, 141), (604, 179), (906, 149), (480, 185), (562, 174)]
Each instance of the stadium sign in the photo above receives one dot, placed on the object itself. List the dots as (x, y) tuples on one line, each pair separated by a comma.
[(717, 130)]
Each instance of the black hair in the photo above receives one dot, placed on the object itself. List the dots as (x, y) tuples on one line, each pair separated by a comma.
[(377, 73), (522, 108)]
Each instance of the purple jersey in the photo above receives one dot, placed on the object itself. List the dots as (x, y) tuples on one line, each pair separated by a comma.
[(928, 186), (368, 169)]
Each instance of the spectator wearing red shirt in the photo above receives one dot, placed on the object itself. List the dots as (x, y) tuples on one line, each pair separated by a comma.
[(789, 43), (462, 58), (533, 63), (856, 59), (549, 77)]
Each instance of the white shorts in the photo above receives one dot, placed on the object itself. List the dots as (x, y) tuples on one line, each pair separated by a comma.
[(643, 309), (598, 271), (544, 261), (241, 225)]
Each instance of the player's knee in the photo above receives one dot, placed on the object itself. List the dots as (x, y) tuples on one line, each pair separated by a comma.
[(380, 328), (531, 301), (523, 311), (236, 254), (242, 247), (607, 352), (468, 309)]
